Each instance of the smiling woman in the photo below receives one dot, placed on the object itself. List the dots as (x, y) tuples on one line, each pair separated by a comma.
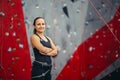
[(43, 48), (39, 24)]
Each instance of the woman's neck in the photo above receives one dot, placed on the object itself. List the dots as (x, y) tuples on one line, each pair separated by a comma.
[(40, 34)]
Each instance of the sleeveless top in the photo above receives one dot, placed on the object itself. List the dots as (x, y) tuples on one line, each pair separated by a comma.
[(41, 57)]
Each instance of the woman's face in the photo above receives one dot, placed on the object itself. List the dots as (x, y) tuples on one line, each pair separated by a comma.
[(40, 25)]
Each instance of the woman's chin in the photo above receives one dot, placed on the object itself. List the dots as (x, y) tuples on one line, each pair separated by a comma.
[(41, 31)]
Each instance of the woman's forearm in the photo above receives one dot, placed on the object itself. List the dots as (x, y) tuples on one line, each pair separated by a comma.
[(46, 50), (52, 53)]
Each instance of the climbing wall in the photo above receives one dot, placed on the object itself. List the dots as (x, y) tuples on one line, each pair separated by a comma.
[(96, 54), (91, 24), (15, 62), (69, 24)]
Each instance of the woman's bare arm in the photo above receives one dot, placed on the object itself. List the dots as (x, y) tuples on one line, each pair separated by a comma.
[(36, 43), (53, 52)]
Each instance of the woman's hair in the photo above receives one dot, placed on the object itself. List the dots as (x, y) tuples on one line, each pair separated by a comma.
[(34, 31)]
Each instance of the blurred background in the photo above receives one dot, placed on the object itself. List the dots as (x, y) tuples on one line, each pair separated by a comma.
[(81, 29)]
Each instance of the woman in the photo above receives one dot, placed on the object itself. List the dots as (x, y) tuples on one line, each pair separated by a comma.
[(43, 48)]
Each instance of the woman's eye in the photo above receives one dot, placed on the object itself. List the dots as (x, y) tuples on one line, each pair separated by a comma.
[(43, 24), (38, 24)]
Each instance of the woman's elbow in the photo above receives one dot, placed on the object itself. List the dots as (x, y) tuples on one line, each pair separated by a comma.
[(55, 52)]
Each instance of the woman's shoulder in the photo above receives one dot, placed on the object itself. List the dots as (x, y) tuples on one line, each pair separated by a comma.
[(49, 38), (34, 36)]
